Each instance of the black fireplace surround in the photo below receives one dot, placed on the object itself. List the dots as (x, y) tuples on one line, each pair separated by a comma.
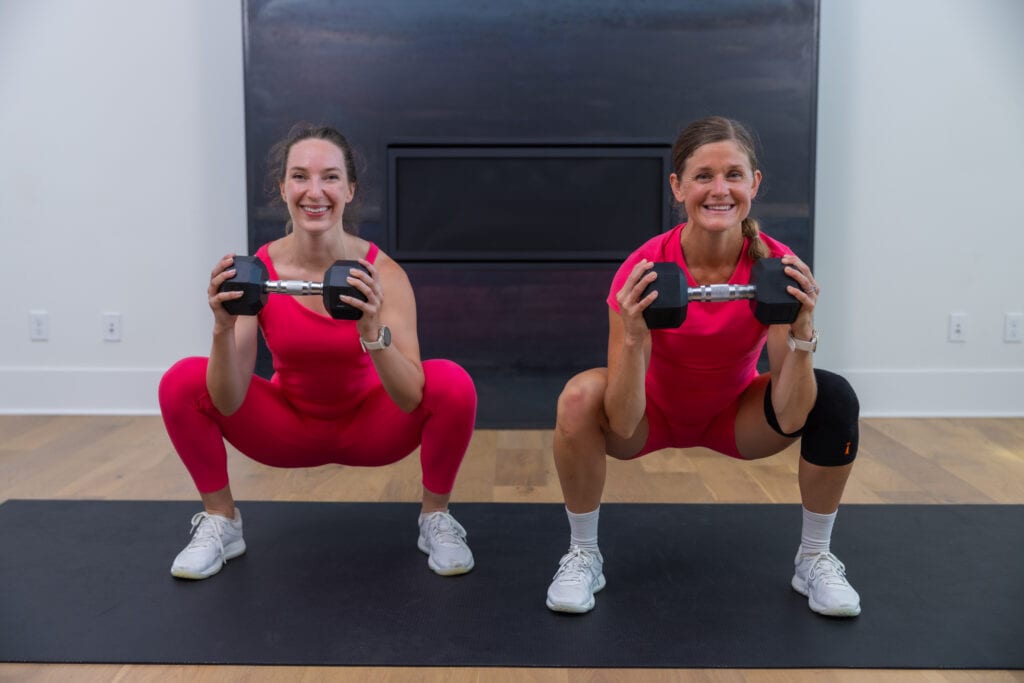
[(511, 154)]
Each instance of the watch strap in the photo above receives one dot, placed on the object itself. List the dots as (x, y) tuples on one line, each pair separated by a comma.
[(802, 345), (381, 342)]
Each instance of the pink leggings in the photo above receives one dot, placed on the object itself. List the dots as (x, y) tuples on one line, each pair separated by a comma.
[(268, 429)]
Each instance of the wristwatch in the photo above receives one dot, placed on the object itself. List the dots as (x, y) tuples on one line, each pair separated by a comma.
[(383, 340), (801, 345)]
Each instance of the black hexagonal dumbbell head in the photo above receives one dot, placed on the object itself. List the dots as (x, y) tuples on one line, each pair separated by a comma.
[(669, 309), (335, 285), (773, 305), (250, 274)]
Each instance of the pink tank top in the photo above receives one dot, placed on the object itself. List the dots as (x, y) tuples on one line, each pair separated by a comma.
[(318, 362), (713, 355)]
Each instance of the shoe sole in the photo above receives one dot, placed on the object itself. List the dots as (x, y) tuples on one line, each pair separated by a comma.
[(230, 553), (801, 587), (576, 608), (450, 571)]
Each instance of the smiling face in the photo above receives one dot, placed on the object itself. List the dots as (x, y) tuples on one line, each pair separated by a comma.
[(315, 186), (716, 185)]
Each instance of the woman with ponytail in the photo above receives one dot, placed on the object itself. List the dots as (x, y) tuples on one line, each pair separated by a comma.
[(698, 385)]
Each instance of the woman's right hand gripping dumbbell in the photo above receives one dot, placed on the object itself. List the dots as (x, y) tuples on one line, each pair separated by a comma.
[(224, 270)]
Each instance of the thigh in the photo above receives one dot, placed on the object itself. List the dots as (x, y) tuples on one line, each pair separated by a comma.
[(581, 416), (755, 438), (634, 446), (378, 432)]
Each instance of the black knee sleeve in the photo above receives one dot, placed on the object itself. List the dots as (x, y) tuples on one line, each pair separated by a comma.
[(830, 435)]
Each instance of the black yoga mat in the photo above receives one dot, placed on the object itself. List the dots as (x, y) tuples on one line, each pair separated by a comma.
[(689, 586)]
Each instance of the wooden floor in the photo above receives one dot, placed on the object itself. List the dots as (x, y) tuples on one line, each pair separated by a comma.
[(946, 461)]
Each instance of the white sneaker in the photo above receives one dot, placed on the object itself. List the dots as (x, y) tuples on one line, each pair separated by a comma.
[(579, 576), (444, 540), (215, 540), (822, 578)]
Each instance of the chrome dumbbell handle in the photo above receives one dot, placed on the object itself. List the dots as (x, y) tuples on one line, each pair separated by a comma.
[(293, 287), (721, 292)]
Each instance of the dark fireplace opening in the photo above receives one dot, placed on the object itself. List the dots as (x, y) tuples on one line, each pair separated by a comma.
[(592, 203)]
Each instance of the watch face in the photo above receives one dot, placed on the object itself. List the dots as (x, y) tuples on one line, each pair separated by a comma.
[(385, 336)]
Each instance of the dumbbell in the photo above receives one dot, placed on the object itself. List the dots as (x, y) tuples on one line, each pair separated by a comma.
[(769, 300), (251, 279)]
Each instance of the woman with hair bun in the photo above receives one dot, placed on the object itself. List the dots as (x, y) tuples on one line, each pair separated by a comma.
[(350, 392)]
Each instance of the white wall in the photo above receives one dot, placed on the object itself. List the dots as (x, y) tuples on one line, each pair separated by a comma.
[(123, 179), (122, 182), (920, 150)]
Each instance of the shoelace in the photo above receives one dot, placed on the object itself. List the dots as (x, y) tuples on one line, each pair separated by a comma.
[(574, 567), (831, 570), (204, 531), (444, 530)]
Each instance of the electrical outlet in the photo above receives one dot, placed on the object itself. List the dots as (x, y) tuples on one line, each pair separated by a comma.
[(112, 326), (957, 327), (38, 325), (1013, 328)]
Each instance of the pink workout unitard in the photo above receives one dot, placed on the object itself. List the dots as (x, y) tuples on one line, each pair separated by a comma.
[(699, 370), (324, 404)]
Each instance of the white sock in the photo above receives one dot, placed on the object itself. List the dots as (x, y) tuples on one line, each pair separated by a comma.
[(816, 533), (583, 529), (423, 515)]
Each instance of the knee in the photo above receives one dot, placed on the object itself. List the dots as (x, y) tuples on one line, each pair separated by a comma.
[(831, 433), (581, 403), (182, 383), (447, 383)]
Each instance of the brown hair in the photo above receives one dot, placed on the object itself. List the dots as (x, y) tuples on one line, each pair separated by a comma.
[(719, 129), (277, 164)]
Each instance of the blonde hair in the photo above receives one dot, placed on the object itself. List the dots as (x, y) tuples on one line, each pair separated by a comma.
[(718, 129)]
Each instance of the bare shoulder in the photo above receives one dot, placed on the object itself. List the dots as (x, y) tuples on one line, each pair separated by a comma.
[(276, 248), (390, 268)]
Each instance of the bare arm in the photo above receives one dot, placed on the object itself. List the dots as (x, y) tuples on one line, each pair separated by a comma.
[(629, 353), (398, 366), (233, 353), (794, 389)]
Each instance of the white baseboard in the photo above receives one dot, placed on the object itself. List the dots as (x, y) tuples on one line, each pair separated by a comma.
[(882, 393)]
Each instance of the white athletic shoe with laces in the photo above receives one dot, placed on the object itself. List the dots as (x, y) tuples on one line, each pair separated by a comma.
[(215, 540), (822, 578), (579, 576), (444, 540)]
